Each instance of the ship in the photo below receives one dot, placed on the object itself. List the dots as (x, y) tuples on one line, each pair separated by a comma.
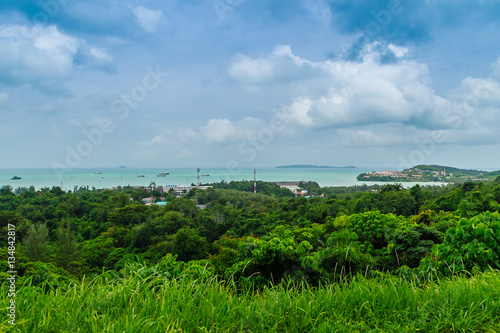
[(15, 178), (162, 174), (140, 175)]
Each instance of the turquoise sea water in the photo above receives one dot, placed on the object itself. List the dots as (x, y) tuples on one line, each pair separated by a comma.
[(112, 177)]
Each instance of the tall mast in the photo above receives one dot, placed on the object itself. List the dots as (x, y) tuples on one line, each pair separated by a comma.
[(254, 181), (198, 184)]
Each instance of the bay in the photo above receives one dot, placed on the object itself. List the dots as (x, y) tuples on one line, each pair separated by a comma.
[(113, 177)]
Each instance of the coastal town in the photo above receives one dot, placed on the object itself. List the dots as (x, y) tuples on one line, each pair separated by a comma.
[(179, 190), (427, 173)]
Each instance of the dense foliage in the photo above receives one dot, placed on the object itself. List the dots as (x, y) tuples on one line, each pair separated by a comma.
[(228, 233)]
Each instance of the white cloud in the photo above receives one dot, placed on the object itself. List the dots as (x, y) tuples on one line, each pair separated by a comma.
[(219, 130), (363, 93), (476, 93), (358, 95), (224, 130), (36, 53), (100, 57), (398, 51), (148, 19), (42, 56), (280, 65), (343, 104), (162, 138), (298, 112), (250, 70)]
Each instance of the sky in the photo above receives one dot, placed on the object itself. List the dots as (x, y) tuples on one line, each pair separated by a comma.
[(247, 83)]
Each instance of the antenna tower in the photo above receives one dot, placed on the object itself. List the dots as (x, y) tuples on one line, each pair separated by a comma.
[(254, 181)]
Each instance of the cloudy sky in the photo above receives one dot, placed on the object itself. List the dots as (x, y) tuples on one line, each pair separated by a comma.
[(215, 83)]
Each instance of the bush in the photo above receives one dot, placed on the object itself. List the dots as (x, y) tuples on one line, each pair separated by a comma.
[(473, 245)]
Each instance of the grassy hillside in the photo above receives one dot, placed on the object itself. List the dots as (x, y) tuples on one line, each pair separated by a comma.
[(145, 300)]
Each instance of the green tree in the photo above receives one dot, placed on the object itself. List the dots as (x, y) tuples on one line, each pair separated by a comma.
[(189, 245), (343, 255), (35, 245), (96, 251), (186, 207), (130, 214), (391, 187), (67, 249), (417, 194), (399, 203), (6, 190)]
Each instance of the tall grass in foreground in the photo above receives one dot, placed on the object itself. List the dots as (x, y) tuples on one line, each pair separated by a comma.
[(155, 304)]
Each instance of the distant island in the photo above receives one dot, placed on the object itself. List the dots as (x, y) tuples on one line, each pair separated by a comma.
[(307, 166), (429, 173)]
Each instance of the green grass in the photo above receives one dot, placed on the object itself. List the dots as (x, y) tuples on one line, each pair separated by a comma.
[(152, 303)]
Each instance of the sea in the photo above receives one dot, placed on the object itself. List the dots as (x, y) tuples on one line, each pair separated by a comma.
[(100, 178)]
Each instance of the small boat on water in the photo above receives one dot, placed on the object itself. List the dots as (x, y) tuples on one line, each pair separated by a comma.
[(162, 174), (98, 173), (140, 175), (15, 178), (205, 175)]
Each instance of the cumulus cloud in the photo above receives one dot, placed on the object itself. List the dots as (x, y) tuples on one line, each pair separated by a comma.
[(360, 94), (398, 51), (365, 92), (249, 70), (42, 55), (366, 103), (222, 130), (97, 58), (36, 53), (148, 19), (219, 130), (223, 133), (281, 65), (476, 92)]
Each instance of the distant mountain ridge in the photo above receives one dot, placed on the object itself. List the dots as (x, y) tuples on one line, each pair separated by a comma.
[(308, 166)]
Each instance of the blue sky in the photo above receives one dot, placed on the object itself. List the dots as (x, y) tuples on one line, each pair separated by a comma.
[(249, 83)]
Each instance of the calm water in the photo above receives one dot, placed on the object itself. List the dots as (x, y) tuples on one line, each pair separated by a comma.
[(112, 177)]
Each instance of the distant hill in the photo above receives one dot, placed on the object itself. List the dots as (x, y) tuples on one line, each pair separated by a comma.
[(308, 166), (429, 173), (448, 169)]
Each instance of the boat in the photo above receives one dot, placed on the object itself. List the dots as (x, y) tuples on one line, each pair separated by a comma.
[(140, 175), (98, 173), (162, 174), (205, 175), (15, 178)]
